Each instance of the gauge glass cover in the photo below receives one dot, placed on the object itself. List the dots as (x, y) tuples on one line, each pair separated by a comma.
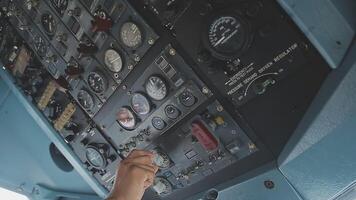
[(126, 118), (94, 157), (156, 88), (113, 60), (131, 35), (60, 5), (97, 82), (85, 99), (140, 104), (48, 23)]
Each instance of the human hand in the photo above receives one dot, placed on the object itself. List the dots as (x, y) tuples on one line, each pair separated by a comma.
[(135, 174)]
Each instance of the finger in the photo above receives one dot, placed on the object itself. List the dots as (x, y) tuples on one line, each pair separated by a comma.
[(146, 160), (148, 168), (137, 153)]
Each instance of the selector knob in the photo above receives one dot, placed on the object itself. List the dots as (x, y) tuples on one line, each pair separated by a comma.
[(101, 25)]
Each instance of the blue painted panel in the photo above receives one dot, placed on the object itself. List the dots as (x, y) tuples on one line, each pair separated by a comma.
[(319, 161), (329, 25), (25, 158), (251, 187)]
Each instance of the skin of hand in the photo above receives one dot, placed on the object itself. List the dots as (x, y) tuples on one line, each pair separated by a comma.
[(135, 174)]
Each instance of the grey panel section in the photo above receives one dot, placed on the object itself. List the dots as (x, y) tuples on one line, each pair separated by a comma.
[(319, 159), (330, 25)]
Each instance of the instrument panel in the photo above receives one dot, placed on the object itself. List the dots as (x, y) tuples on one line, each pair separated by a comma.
[(182, 79)]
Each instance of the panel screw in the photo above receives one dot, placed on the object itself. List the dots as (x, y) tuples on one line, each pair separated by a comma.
[(205, 90), (137, 58), (172, 52), (269, 184), (151, 41), (219, 108), (130, 67)]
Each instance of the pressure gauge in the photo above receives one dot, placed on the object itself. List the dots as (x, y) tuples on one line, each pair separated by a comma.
[(85, 99), (161, 159), (227, 35), (156, 88), (113, 60), (97, 82), (60, 5), (131, 35), (140, 104), (162, 186), (95, 157), (126, 118), (49, 23)]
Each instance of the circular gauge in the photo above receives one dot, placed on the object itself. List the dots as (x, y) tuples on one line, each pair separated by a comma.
[(60, 5), (156, 88), (172, 112), (113, 60), (85, 99), (140, 104), (161, 159), (187, 98), (49, 23), (40, 46), (131, 35), (95, 157), (227, 36), (126, 118), (162, 186), (97, 82), (158, 123)]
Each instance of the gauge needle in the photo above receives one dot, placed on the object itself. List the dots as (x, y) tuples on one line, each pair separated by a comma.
[(118, 58), (218, 42)]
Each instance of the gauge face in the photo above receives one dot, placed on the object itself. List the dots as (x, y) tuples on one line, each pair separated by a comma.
[(162, 186), (172, 112), (40, 46), (227, 34), (113, 60), (126, 118), (158, 123), (161, 159), (95, 158), (156, 88), (60, 5), (187, 98), (140, 104), (97, 82), (131, 35), (49, 23), (85, 99)]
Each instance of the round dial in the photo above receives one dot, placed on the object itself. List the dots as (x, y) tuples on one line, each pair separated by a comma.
[(158, 123), (126, 118), (95, 157), (85, 99), (156, 88), (60, 5), (172, 112), (113, 60), (162, 186), (161, 159), (227, 35), (140, 104), (131, 35), (187, 98), (97, 82), (49, 23)]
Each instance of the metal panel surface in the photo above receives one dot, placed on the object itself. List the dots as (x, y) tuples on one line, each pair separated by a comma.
[(251, 186), (319, 160), (329, 25)]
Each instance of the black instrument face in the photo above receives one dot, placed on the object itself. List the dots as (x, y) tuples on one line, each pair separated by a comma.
[(85, 99), (49, 24), (156, 88), (95, 157), (41, 46), (60, 5), (126, 118), (140, 104), (227, 35), (131, 35), (158, 123), (97, 82)]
